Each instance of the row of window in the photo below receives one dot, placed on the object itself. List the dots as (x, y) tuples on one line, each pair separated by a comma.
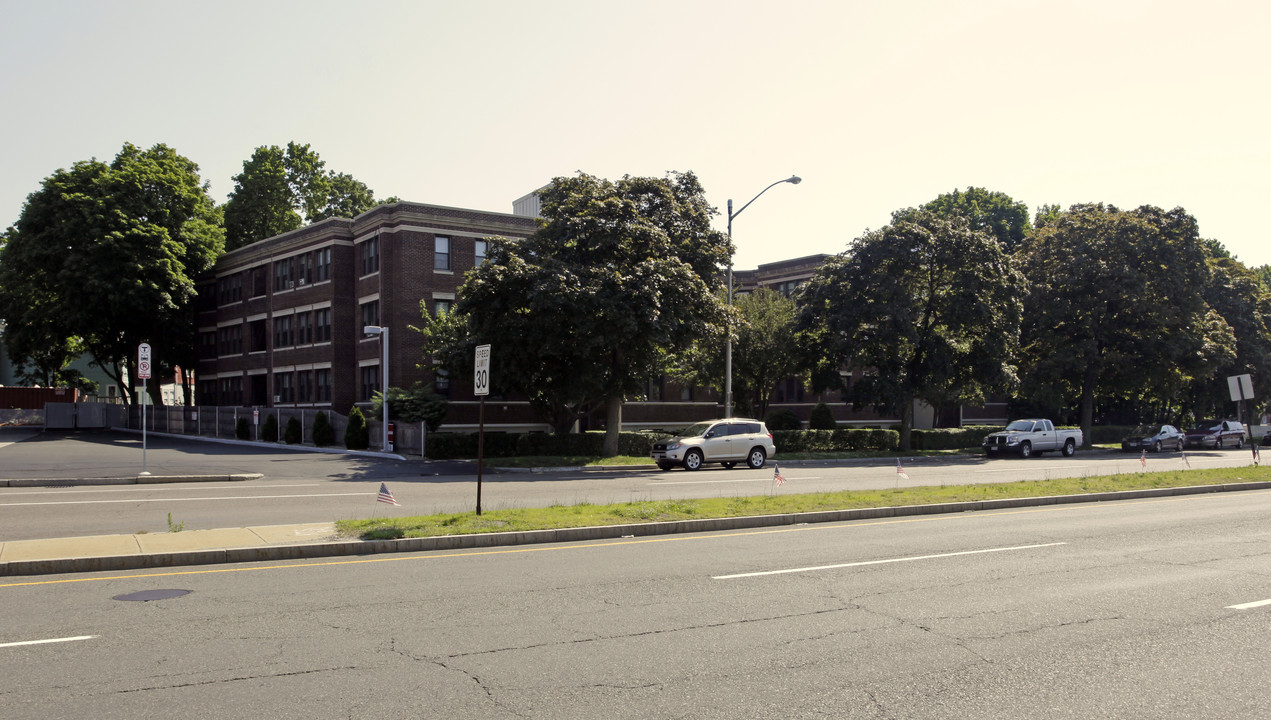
[(302, 328), (303, 386)]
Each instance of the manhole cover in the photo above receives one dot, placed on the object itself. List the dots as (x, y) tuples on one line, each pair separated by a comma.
[(148, 595)]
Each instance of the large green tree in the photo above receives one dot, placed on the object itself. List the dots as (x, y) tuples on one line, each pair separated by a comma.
[(280, 189), (1116, 309), (927, 307), (995, 213), (583, 312), (106, 254)]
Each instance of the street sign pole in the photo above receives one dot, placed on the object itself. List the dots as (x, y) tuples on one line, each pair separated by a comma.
[(481, 388), (143, 373)]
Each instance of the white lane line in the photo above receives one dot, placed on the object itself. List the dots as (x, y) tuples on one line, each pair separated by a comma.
[(227, 497), (883, 562), (743, 480), (50, 640), (82, 489), (1246, 606)]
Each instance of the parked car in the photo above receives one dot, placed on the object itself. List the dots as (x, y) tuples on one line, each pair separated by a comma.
[(1216, 434), (1154, 437), (1032, 437), (727, 442)]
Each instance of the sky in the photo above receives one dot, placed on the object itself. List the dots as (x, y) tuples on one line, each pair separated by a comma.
[(877, 105)]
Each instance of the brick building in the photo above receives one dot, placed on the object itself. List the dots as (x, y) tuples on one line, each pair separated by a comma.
[(280, 321)]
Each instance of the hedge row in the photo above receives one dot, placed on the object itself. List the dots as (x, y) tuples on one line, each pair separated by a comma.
[(840, 440), (969, 436), (449, 446)]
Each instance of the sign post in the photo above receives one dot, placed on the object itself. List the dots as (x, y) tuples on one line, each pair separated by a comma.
[(143, 373), (1241, 387), (481, 388)]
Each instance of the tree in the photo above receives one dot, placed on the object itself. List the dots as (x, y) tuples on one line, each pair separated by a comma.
[(580, 314), (1116, 307), (989, 211), (418, 404), (281, 189), (765, 352), (927, 307), (1239, 297), (108, 254)]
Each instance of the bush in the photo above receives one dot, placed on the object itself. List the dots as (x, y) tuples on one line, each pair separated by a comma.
[(242, 430), (969, 436), (269, 433), (356, 435), (292, 434), (822, 418), (416, 405), (323, 433), (783, 420), (446, 446), (840, 440)]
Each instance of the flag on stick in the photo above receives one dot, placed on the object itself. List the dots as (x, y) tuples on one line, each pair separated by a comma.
[(1257, 455), (900, 471), (1186, 462), (777, 477), (386, 496), (1143, 459)]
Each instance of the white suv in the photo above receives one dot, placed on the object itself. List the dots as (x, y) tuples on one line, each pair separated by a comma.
[(728, 442)]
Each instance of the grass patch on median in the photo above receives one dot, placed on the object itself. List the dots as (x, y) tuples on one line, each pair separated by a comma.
[(781, 501)]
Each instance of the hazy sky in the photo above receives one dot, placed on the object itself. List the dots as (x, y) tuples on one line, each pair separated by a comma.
[(877, 105)]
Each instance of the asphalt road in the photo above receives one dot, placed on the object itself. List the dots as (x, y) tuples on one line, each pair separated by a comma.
[(1154, 608), (303, 487)]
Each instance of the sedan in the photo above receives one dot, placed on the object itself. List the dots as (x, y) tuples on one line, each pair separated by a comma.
[(1153, 437)]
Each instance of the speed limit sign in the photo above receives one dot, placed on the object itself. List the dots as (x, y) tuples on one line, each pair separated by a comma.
[(481, 371)]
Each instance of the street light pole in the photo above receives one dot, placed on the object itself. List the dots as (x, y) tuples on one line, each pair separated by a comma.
[(383, 333), (728, 346)]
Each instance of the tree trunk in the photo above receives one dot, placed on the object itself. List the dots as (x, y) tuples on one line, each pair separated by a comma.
[(613, 425), (1087, 408), (906, 422)]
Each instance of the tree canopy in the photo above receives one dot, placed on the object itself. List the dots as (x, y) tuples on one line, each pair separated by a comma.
[(584, 311), (927, 308), (104, 257), (992, 212), (280, 189)]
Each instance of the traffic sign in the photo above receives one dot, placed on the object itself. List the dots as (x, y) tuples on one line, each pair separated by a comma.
[(481, 371), (143, 361)]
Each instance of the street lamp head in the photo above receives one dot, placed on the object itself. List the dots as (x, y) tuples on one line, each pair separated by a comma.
[(371, 329), (794, 180)]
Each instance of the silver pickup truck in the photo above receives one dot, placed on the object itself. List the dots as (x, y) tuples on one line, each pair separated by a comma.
[(1032, 437)]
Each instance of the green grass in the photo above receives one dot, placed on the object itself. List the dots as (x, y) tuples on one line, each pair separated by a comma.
[(780, 502)]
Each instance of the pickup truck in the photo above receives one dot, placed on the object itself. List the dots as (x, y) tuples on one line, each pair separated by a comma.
[(1032, 437)]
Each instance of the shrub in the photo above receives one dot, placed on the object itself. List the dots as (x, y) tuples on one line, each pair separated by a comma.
[(323, 433), (356, 435), (242, 430), (783, 420), (418, 404), (269, 433), (822, 418), (292, 434)]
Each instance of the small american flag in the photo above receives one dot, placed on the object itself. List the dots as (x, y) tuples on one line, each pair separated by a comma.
[(1186, 462), (1143, 459), (900, 471), (777, 477), (386, 496)]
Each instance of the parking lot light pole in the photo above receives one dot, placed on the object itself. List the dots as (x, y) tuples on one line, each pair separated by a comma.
[(383, 333), (728, 346)]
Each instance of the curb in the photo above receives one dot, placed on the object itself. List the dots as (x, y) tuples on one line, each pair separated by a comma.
[(607, 532), (129, 480)]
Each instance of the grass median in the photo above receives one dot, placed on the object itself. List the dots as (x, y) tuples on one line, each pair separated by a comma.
[(782, 500)]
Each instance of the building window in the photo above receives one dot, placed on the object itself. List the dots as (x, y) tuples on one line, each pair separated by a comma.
[(369, 252), (283, 275), (229, 289), (258, 281), (259, 336), (322, 265), (304, 386), (441, 307), (209, 344), (370, 313), (304, 328), (230, 340), (322, 325), (304, 269), (441, 253), (370, 378), (322, 385), (207, 393), (441, 381), (283, 388), (481, 247), (231, 391), (282, 332)]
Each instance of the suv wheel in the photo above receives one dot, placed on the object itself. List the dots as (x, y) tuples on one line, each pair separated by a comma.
[(693, 460), (756, 458)]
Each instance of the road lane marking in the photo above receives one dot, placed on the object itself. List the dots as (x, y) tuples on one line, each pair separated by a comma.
[(1248, 605), (50, 640), (883, 562), (743, 480), (225, 497), (82, 489)]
